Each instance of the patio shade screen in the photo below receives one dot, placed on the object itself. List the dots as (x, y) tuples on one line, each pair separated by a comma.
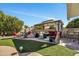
[(72, 10)]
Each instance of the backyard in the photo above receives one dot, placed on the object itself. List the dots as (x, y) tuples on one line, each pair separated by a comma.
[(39, 47)]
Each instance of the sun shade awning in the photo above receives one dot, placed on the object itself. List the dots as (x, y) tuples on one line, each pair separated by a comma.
[(72, 10)]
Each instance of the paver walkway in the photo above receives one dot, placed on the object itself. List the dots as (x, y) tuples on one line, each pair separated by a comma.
[(8, 51), (30, 54)]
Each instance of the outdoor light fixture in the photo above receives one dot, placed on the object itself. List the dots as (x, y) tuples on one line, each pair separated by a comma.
[(21, 48)]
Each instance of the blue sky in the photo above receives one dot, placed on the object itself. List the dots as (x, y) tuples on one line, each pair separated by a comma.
[(34, 13)]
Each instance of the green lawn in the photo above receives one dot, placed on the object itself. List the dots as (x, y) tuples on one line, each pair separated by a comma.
[(6, 42), (42, 48)]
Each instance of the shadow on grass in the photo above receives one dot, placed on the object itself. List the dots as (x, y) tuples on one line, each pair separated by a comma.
[(30, 45)]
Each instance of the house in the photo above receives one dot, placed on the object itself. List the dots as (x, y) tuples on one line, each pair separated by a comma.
[(49, 25)]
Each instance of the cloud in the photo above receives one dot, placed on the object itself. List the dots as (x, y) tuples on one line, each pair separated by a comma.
[(31, 14)]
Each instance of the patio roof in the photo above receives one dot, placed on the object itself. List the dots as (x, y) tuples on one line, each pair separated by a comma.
[(72, 10)]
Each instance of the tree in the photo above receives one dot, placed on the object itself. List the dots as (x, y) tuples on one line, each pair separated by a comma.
[(9, 24), (25, 26), (70, 25), (73, 24)]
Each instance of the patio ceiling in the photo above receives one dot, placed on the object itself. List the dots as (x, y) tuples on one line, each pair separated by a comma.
[(72, 10)]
